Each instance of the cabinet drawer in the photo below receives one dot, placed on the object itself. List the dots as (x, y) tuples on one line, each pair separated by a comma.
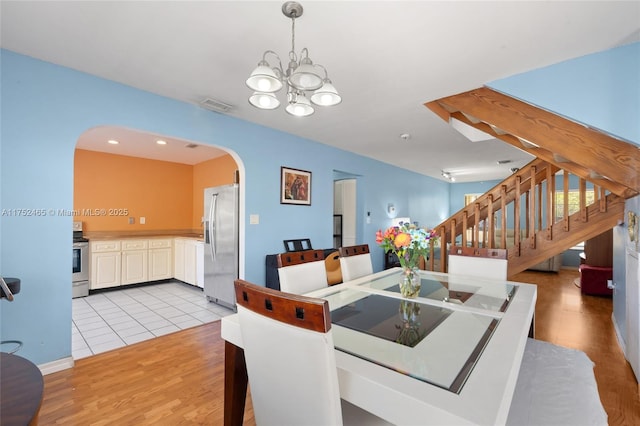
[(103, 246), (159, 243), (134, 244)]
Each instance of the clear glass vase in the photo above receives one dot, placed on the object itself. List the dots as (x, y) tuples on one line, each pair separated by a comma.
[(409, 333), (410, 282)]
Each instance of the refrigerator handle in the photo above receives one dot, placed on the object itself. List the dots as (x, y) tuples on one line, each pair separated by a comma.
[(213, 225)]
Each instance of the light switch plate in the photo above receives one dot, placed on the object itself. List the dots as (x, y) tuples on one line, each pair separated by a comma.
[(254, 219)]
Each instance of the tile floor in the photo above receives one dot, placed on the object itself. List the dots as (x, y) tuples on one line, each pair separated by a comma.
[(112, 319)]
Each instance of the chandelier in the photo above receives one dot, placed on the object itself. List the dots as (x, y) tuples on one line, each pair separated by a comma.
[(303, 83)]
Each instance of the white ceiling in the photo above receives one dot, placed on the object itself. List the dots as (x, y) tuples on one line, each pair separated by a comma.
[(386, 58), (135, 143)]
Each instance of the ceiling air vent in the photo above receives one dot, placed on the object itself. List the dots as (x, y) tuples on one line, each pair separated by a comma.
[(214, 105)]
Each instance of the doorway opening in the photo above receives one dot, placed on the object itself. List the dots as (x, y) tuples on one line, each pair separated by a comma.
[(345, 209)]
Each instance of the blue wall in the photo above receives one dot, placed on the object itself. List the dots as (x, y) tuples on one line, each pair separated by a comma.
[(45, 108), (601, 90), (459, 190)]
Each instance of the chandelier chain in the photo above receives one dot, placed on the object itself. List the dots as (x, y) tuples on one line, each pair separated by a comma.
[(293, 35), (292, 54)]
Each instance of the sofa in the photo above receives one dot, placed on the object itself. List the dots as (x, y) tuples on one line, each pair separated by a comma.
[(497, 237), (552, 264), (593, 280)]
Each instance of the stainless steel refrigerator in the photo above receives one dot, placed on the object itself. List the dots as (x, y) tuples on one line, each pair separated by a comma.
[(221, 244)]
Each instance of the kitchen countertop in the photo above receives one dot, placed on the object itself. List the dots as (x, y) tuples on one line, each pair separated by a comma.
[(124, 235)]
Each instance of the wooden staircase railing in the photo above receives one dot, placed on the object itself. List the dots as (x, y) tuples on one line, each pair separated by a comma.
[(531, 215)]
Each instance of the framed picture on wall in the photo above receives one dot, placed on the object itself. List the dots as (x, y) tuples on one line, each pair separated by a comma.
[(295, 186)]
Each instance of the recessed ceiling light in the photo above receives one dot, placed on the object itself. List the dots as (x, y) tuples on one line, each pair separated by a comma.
[(161, 142), (113, 142)]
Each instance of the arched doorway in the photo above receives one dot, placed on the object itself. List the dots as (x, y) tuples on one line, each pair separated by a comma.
[(150, 189)]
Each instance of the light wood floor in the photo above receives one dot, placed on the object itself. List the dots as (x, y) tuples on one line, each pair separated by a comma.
[(178, 379)]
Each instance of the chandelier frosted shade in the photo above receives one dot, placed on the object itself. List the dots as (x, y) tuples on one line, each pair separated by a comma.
[(264, 100), (299, 105), (305, 77), (264, 79), (327, 95)]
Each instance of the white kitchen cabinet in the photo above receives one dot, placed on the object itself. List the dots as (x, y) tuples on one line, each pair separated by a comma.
[(134, 245), (105, 270), (178, 258), (200, 264), (135, 260), (105, 264), (160, 259), (187, 261), (190, 262), (105, 246), (132, 261)]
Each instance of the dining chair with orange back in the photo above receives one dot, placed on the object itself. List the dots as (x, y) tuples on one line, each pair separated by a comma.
[(333, 268), (355, 262), (290, 359), (302, 271)]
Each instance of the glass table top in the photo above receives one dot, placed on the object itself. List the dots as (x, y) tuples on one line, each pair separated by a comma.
[(468, 291), (402, 321), (437, 337)]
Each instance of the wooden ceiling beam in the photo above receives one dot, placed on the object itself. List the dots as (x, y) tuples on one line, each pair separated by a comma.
[(590, 150)]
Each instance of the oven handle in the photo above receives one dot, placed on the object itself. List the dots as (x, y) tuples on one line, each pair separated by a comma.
[(5, 289)]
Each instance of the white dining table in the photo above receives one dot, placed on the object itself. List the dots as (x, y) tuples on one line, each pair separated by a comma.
[(451, 356)]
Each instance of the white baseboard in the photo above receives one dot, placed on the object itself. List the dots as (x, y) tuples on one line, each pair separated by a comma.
[(621, 342), (55, 366)]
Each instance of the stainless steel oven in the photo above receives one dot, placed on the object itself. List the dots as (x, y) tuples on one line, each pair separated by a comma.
[(80, 263)]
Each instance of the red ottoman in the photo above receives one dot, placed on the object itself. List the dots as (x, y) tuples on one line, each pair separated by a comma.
[(593, 280)]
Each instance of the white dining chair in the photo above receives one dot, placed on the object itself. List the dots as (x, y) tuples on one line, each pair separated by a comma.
[(556, 386), (290, 359), (302, 271), (478, 262), (355, 262)]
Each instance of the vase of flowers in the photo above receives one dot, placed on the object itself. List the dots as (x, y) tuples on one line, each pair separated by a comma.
[(409, 243)]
